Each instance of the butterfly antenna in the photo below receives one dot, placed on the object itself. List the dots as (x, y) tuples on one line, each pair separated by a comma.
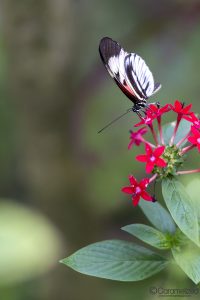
[(116, 119)]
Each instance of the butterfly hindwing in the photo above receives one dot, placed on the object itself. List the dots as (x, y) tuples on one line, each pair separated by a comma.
[(138, 74)]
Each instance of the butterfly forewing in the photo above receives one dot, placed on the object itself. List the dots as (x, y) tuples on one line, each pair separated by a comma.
[(129, 71), (113, 57), (108, 48)]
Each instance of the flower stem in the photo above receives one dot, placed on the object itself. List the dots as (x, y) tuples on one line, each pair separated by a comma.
[(183, 139), (147, 142), (153, 133), (160, 130), (179, 117), (153, 178), (186, 149), (188, 172)]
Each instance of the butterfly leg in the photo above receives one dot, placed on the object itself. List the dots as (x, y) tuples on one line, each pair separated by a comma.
[(157, 103), (139, 115)]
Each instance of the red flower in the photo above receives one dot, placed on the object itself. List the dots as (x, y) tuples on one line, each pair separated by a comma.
[(146, 120), (152, 158), (180, 109), (158, 111), (153, 112), (195, 139), (136, 137), (193, 119), (137, 190)]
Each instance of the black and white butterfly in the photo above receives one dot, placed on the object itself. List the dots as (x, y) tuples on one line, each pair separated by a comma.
[(130, 72)]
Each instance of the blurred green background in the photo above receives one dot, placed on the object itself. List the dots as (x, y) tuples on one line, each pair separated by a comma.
[(59, 180)]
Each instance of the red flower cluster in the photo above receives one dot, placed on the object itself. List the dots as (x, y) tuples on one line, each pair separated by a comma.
[(162, 159)]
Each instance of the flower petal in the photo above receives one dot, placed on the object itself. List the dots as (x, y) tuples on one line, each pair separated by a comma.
[(142, 130), (141, 158), (127, 190), (161, 163), (192, 140), (133, 180), (148, 149), (146, 196), (130, 144), (140, 123), (149, 167), (198, 147), (153, 108), (195, 131), (177, 106), (159, 151), (135, 199), (186, 109), (144, 183), (138, 142), (147, 120), (188, 118), (165, 108)]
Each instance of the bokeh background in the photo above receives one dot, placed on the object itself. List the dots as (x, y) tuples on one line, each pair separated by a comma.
[(60, 181)]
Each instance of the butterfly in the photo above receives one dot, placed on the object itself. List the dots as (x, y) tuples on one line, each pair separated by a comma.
[(130, 73)]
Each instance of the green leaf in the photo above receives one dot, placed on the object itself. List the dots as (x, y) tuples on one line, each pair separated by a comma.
[(183, 129), (158, 216), (188, 259), (193, 189), (181, 208), (149, 235), (116, 260)]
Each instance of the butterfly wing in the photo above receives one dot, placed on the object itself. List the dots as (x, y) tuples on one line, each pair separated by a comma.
[(129, 71), (113, 57), (140, 77)]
